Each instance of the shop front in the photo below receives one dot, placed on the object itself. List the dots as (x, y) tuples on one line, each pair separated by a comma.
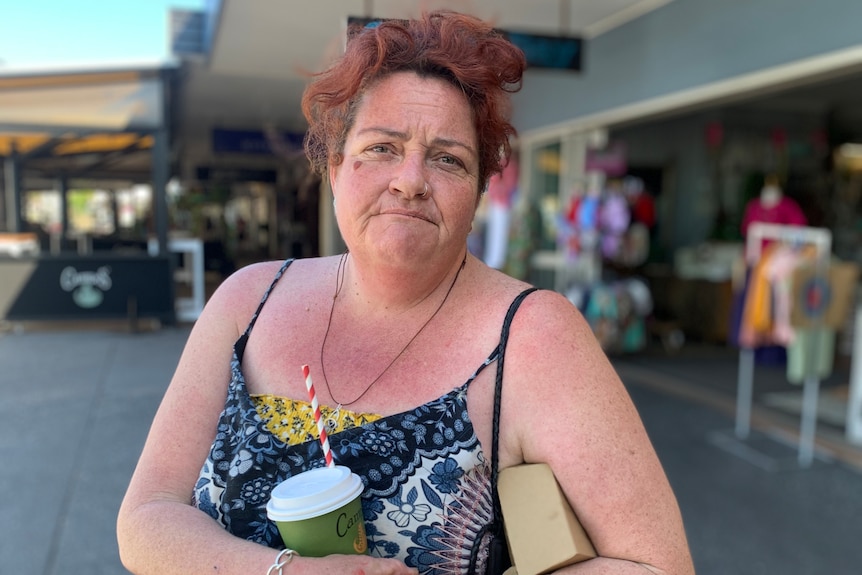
[(582, 224), (86, 163), (642, 169), (769, 137)]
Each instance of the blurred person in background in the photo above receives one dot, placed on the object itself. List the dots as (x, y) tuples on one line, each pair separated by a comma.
[(409, 125)]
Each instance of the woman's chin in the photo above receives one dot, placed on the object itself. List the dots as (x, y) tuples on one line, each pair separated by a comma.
[(409, 238), (408, 250)]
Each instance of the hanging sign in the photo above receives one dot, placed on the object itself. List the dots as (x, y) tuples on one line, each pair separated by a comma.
[(540, 50), (823, 298)]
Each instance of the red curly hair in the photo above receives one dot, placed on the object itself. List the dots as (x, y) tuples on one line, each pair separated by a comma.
[(463, 50)]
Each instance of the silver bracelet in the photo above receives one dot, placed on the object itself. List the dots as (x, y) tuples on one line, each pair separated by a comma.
[(284, 557)]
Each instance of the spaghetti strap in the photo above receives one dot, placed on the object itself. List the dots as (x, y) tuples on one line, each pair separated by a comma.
[(497, 352), (277, 277), (239, 346)]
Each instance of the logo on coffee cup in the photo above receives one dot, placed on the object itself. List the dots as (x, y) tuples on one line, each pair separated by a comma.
[(345, 524), (360, 544)]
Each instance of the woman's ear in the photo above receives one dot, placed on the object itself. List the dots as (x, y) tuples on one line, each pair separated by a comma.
[(333, 174), (334, 164)]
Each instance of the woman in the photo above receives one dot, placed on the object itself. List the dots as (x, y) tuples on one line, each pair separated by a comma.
[(408, 126)]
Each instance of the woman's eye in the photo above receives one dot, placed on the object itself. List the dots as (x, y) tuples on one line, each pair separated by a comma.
[(451, 160), (378, 149)]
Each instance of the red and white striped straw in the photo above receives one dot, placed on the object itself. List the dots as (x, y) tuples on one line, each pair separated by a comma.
[(321, 428)]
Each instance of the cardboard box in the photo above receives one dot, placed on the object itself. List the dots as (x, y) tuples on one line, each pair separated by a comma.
[(541, 528)]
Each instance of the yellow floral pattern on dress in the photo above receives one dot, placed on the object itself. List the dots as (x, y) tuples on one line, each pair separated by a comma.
[(292, 420)]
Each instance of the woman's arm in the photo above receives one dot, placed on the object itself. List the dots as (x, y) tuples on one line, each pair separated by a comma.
[(159, 531), (564, 405)]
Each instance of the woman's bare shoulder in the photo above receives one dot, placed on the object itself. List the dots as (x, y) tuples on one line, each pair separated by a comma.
[(248, 280), (541, 310), (550, 336), (496, 292), (240, 293)]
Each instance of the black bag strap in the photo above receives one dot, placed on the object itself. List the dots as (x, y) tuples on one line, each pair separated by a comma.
[(497, 526)]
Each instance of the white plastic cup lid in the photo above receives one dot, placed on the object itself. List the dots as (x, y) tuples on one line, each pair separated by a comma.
[(313, 493)]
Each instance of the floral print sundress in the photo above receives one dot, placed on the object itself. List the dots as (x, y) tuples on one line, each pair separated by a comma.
[(426, 480)]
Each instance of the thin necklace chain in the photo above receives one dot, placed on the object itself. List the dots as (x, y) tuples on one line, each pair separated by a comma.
[(339, 281)]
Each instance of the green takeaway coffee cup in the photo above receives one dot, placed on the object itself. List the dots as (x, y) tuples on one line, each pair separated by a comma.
[(319, 512)]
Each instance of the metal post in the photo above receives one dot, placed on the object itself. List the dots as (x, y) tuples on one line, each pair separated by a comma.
[(12, 178), (160, 181), (3, 192), (854, 406), (161, 171), (115, 212), (808, 425), (745, 389), (63, 188)]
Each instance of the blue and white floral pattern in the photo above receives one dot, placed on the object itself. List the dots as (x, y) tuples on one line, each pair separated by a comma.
[(427, 482)]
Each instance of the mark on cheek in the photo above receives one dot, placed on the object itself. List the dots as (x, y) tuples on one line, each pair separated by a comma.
[(357, 164)]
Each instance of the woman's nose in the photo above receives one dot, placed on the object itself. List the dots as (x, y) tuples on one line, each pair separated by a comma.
[(410, 180)]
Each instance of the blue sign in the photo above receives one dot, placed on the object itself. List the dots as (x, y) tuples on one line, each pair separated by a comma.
[(254, 141), (227, 175)]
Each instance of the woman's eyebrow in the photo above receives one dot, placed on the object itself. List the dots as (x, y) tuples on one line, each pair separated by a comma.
[(397, 135), (394, 134), (450, 143)]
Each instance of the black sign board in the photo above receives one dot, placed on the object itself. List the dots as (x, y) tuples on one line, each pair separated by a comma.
[(88, 287), (540, 50)]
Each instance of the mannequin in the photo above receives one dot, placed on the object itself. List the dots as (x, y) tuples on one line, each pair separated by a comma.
[(772, 207)]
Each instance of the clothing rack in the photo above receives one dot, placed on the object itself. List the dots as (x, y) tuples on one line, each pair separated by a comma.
[(821, 239)]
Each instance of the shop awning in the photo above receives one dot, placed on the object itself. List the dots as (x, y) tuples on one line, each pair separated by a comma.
[(87, 123), (73, 121), (58, 103)]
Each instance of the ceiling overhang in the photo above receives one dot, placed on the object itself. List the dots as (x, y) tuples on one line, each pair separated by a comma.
[(77, 122), (274, 39), (261, 53)]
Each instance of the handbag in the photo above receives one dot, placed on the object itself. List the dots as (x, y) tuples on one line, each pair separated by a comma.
[(499, 558)]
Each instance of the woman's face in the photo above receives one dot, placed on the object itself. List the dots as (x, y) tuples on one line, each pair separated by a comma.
[(408, 132)]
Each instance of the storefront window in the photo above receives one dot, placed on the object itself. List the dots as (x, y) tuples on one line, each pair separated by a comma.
[(91, 212), (43, 209), (133, 207), (532, 252), (545, 190)]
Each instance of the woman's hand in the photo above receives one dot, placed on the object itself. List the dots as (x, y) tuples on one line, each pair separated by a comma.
[(347, 565)]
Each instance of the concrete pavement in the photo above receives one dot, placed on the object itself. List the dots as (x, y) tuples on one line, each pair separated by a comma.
[(77, 403), (75, 412)]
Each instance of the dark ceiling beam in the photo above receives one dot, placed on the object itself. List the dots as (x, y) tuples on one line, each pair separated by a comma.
[(106, 159), (43, 150), (141, 176)]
